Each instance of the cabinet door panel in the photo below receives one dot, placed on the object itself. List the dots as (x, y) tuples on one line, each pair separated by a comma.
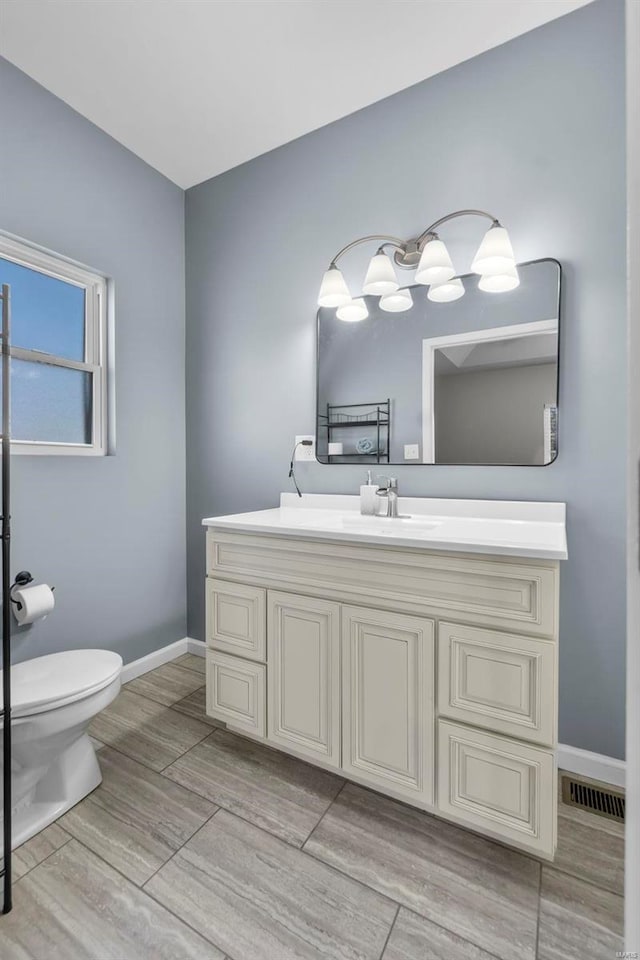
[(236, 619), (499, 681), (236, 692), (497, 786), (387, 683), (303, 642)]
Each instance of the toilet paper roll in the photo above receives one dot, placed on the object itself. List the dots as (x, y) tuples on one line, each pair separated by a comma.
[(32, 603)]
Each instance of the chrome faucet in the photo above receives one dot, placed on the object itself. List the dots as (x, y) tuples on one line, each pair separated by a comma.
[(390, 492)]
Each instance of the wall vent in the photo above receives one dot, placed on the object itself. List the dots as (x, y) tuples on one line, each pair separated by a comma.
[(602, 800)]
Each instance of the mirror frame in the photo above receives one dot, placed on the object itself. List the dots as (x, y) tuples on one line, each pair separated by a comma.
[(420, 463)]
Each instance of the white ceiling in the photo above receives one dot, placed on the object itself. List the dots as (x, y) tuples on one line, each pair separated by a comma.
[(195, 87)]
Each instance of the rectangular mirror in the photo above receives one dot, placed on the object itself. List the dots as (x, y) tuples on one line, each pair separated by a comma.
[(471, 381)]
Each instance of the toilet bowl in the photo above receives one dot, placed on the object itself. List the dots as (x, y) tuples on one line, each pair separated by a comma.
[(54, 765)]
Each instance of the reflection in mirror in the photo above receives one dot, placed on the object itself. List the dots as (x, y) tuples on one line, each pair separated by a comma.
[(473, 381)]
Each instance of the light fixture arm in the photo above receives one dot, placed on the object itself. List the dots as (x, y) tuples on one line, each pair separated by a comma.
[(408, 251), (394, 241), (451, 216)]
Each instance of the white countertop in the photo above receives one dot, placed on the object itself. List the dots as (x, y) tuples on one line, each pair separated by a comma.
[(503, 527)]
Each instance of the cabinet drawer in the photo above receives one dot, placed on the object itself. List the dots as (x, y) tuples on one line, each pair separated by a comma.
[(496, 680), (236, 692), (236, 619), (498, 786)]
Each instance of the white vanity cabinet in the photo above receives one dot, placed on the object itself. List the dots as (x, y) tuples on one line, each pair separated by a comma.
[(429, 675)]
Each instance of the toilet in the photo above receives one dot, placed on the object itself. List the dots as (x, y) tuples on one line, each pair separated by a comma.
[(54, 765)]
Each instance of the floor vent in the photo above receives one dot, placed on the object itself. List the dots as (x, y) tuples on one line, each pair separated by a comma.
[(601, 800)]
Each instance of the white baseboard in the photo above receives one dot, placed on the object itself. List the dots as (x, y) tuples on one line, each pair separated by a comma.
[(593, 765), (155, 659), (164, 655)]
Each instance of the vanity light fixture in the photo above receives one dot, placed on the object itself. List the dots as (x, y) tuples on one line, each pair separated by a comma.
[(353, 311), (495, 253), (397, 302), (446, 292), (435, 263), (507, 279), (334, 292), (427, 254), (381, 277)]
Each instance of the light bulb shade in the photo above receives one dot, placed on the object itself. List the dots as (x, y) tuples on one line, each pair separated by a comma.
[(397, 302), (381, 277), (495, 253), (353, 311), (333, 289), (500, 282), (435, 264), (446, 292)]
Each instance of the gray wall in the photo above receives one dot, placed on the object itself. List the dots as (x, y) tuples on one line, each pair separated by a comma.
[(108, 532), (533, 130), (493, 416)]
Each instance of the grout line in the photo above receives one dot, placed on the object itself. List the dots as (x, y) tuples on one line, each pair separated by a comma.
[(149, 893), (162, 703), (178, 849), (355, 880), (202, 673), (453, 933), (44, 860), (393, 923), (221, 806), (576, 876), (188, 695), (313, 830), (184, 753), (146, 765), (141, 888), (413, 910)]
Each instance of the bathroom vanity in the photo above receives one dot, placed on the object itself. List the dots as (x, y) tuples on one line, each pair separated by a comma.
[(417, 656)]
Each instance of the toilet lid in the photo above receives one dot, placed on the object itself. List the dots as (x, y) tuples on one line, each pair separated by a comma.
[(60, 678)]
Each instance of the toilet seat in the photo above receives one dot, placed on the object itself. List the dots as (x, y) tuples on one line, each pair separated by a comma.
[(58, 679)]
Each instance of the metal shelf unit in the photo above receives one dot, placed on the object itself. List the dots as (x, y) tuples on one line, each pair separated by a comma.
[(376, 414)]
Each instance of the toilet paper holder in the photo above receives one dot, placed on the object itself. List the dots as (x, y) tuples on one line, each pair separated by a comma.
[(23, 579)]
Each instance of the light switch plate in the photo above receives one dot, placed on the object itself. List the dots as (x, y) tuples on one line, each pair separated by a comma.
[(412, 451), (306, 453)]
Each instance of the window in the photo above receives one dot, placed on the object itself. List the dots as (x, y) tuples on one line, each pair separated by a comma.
[(58, 352)]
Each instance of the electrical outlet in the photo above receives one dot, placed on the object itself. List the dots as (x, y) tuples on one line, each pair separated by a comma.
[(306, 453), (412, 451)]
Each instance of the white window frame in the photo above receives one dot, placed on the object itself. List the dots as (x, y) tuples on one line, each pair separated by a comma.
[(95, 359)]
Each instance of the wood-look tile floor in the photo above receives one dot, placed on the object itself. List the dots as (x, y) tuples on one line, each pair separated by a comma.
[(200, 845)]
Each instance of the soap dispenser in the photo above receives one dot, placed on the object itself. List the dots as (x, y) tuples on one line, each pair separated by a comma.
[(368, 497)]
